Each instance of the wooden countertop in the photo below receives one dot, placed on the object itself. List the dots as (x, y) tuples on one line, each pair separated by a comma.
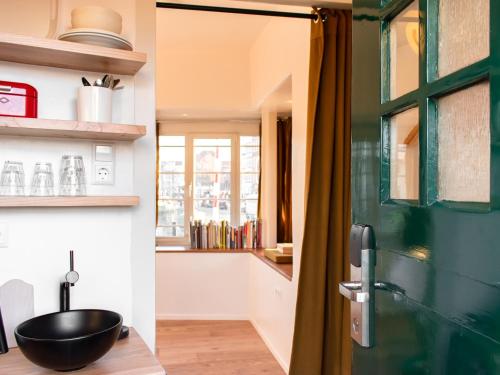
[(129, 356)]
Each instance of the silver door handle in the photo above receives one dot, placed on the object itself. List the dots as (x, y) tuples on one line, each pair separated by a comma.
[(360, 291), (352, 291)]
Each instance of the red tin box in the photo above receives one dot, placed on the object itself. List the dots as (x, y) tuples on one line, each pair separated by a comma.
[(18, 99)]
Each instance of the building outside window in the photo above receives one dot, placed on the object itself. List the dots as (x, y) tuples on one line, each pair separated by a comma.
[(205, 176)]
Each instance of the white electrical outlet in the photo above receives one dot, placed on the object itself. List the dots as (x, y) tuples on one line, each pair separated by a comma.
[(103, 164), (103, 173), (4, 234)]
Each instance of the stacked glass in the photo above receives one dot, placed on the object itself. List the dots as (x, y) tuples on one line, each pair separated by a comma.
[(42, 184), (72, 176), (12, 180)]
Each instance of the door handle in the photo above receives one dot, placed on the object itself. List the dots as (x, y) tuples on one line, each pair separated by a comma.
[(361, 289), (352, 291)]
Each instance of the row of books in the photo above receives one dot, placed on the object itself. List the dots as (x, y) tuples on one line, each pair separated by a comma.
[(221, 235)]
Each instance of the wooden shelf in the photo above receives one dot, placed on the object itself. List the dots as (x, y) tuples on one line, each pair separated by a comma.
[(69, 55), (88, 201), (35, 127)]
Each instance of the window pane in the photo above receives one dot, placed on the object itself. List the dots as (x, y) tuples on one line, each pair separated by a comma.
[(249, 186), (252, 140), (404, 50), (168, 140), (405, 155), (170, 231), (464, 145), (206, 210), (248, 210), (212, 142), (464, 33), (249, 159), (212, 159), (172, 159), (211, 186), (171, 186), (170, 212)]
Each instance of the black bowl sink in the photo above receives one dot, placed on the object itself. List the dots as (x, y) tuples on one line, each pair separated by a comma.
[(69, 340)]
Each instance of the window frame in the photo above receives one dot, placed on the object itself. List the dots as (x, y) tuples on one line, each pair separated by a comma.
[(425, 97), (206, 130)]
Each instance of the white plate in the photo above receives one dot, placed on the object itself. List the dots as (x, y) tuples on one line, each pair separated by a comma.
[(96, 37)]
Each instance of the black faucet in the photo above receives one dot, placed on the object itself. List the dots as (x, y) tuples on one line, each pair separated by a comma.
[(70, 280)]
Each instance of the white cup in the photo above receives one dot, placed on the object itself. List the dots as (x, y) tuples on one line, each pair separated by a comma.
[(94, 104)]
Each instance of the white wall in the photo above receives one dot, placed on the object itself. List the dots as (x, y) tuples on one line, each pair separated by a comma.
[(218, 84), (144, 176), (114, 247), (269, 178), (202, 286), (282, 50)]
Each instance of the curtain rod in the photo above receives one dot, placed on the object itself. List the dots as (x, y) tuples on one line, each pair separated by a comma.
[(257, 12)]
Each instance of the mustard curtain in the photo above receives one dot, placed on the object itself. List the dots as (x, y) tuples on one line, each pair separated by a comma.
[(322, 344), (284, 172)]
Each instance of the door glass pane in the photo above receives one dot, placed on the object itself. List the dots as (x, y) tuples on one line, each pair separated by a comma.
[(464, 145), (404, 47), (464, 36), (405, 155)]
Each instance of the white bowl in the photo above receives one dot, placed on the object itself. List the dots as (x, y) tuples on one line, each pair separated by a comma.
[(96, 17)]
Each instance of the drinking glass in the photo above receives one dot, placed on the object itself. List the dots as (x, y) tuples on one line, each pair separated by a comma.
[(12, 179), (72, 176), (42, 184)]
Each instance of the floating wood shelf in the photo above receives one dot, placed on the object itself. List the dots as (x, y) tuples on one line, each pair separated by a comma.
[(88, 201), (69, 55), (35, 127)]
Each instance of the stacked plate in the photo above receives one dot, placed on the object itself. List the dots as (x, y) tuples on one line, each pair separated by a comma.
[(96, 37), (98, 26)]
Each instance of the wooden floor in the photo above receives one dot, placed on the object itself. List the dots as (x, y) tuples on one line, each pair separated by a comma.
[(213, 348)]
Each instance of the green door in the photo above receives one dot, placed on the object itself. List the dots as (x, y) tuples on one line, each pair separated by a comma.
[(426, 176)]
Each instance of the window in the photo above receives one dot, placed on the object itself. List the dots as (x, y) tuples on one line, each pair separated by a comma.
[(212, 179), (171, 183), (437, 129), (206, 176), (249, 177)]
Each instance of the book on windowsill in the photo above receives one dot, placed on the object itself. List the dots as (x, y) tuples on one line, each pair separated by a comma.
[(277, 257), (285, 248), (221, 235)]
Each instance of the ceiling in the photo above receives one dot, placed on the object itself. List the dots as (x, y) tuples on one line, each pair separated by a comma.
[(183, 29)]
